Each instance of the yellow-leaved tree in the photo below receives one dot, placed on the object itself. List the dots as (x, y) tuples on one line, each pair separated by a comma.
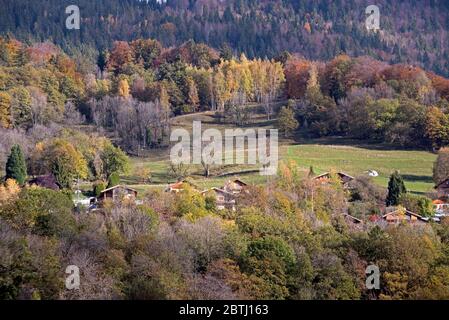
[(65, 162), (5, 110), (9, 190), (123, 88)]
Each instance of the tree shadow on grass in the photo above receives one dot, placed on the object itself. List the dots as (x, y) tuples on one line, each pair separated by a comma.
[(302, 138), (416, 178)]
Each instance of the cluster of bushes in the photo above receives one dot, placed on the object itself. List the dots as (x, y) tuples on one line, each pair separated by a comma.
[(286, 240), (139, 85)]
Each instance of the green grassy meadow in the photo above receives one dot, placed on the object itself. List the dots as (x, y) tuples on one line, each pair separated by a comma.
[(414, 166), (327, 154)]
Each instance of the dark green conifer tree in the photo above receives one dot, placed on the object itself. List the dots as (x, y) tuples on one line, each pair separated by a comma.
[(15, 165), (396, 187)]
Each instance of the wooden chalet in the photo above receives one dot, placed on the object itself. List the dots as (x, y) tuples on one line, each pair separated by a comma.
[(344, 178), (223, 198), (401, 215), (235, 186), (118, 193), (352, 222), (352, 219)]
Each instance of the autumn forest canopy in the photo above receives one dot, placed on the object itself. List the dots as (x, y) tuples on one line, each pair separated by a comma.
[(86, 112), (141, 82)]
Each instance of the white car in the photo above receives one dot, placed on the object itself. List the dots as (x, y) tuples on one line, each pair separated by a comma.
[(373, 173)]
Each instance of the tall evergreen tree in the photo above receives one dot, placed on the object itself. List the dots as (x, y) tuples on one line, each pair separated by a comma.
[(102, 60), (396, 187), (15, 166)]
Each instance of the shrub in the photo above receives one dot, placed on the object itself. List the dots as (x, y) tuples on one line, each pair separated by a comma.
[(45, 211), (113, 180), (98, 188), (418, 204)]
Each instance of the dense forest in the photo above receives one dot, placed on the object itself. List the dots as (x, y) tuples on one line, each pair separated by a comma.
[(412, 31)]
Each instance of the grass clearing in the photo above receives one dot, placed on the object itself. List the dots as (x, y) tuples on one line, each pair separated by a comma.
[(324, 155)]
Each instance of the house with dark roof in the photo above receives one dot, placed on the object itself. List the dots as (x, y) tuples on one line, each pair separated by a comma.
[(352, 219), (353, 222), (47, 181), (118, 193)]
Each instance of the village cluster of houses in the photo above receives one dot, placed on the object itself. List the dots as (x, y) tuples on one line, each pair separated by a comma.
[(119, 193), (116, 193), (397, 215), (226, 198)]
